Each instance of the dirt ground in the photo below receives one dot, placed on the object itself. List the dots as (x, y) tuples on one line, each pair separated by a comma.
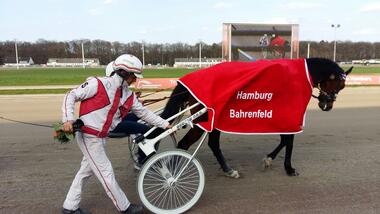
[(338, 157)]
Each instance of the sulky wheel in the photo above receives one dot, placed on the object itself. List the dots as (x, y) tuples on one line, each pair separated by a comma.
[(167, 185)]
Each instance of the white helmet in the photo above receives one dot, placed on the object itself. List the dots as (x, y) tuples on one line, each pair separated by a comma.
[(109, 69), (129, 63)]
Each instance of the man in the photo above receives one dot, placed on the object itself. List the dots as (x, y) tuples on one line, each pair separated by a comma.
[(104, 102), (129, 124), (264, 42)]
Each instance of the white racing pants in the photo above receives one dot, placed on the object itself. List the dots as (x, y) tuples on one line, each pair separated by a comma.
[(95, 161)]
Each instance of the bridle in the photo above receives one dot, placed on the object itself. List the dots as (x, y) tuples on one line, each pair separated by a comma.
[(328, 97), (324, 96)]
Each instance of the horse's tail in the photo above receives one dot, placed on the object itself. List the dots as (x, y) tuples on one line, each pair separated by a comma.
[(177, 100)]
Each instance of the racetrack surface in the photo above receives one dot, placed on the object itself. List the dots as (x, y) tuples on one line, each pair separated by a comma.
[(338, 157)]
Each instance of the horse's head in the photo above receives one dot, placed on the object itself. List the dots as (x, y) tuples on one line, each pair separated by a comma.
[(329, 88)]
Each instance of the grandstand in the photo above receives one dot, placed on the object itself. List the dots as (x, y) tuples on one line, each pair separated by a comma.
[(249, 41), (22, 62), (72, 62), (194, 62)]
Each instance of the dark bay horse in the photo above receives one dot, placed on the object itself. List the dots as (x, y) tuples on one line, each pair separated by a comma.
[(326, 75)]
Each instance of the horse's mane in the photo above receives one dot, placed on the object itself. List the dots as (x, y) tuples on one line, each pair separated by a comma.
[(321, 68)]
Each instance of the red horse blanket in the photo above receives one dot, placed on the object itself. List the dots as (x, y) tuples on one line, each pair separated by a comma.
[(262, 97)]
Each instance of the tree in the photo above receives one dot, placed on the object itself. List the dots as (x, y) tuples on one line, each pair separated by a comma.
[(165, 53)]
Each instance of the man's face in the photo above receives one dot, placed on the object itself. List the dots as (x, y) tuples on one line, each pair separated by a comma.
[(131, 79)]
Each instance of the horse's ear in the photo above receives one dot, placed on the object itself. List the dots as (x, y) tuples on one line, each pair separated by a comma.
[(349, 70)]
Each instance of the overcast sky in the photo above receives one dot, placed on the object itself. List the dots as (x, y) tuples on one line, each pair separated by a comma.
[(169, 21)]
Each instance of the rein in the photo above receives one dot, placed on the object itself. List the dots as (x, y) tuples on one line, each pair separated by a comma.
[(316, 97), (152, 101), (321, 91), (145, 95), (145, 102)]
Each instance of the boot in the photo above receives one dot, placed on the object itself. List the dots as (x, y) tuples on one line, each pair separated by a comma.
[(77, 211), (133, 209)]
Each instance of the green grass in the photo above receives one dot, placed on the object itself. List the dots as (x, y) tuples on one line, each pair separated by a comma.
[(33, 91), (75, 76), (70, 76), (52, 91), (364, 69)]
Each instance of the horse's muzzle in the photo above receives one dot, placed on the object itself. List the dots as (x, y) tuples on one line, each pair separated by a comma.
[(325, 106), (326, 101)]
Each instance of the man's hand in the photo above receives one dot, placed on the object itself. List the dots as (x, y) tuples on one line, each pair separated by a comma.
[(169, 126), (138, 94), (68, 126)]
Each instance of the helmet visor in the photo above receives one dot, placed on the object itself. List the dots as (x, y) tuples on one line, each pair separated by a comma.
[(137, 75)]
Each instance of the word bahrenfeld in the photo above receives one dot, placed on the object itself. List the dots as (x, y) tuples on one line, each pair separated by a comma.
[(241, 95), (250, 114)]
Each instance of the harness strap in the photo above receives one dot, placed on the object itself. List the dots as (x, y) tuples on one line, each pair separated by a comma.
[(147, 102), (321, 91)]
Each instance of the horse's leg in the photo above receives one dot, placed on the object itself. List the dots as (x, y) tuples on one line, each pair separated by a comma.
[(214, 144), (288, 156), (195, 133), (286, 140), (267, 161), (190, 138)]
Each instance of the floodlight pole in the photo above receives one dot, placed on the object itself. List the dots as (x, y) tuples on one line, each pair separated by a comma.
[(200, 53), (335, 27), (16, 54), (143, 54), (162, 57), (83, 56)]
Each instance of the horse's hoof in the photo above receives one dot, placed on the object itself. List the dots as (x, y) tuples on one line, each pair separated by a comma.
[(292, 172), (232, 174), (267, 163)]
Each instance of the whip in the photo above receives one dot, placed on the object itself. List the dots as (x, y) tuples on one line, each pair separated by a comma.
[(27, 123)]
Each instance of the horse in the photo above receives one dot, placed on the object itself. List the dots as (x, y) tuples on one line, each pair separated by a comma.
[(277, 45), (326, 76)]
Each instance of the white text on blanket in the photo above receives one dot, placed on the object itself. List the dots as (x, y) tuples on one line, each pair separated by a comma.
[(254, 95)]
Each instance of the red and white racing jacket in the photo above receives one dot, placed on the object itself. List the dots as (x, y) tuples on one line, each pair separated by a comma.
[(104, 104)]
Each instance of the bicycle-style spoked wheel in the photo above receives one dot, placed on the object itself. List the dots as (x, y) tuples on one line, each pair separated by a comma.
[(164, 189)]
